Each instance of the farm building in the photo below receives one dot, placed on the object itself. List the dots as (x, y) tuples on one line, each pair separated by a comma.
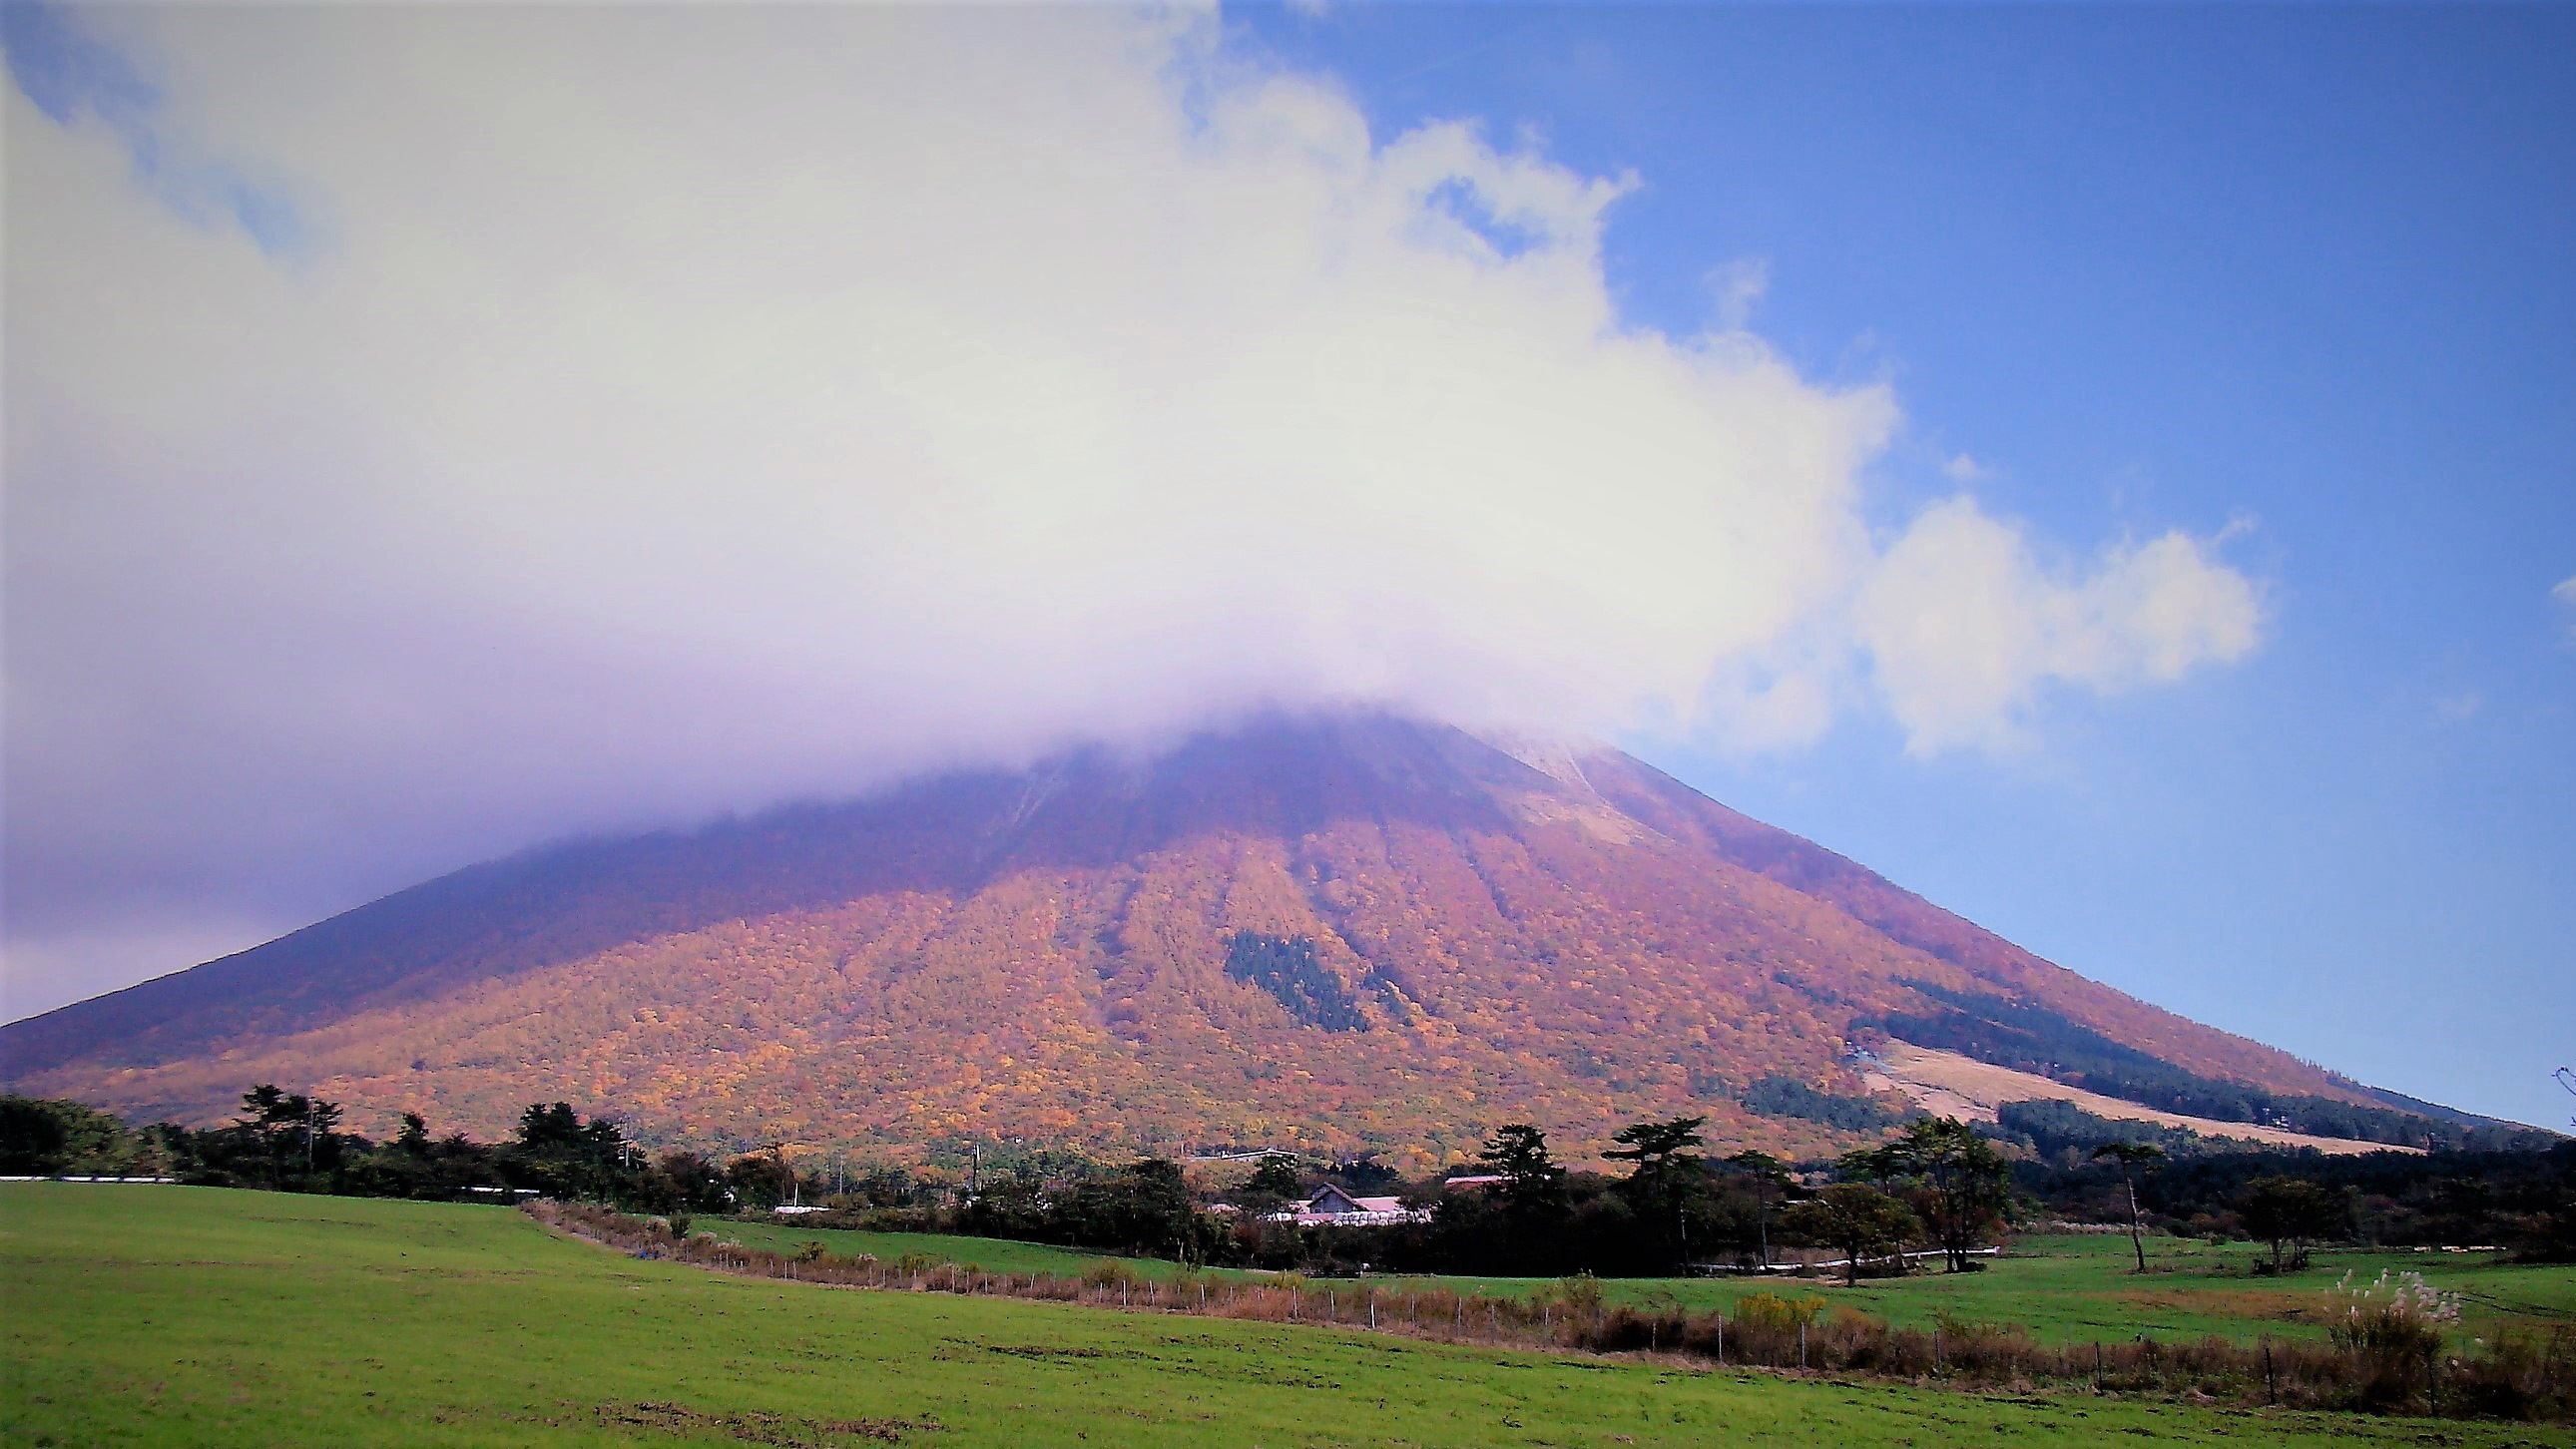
[(1334, 1208)]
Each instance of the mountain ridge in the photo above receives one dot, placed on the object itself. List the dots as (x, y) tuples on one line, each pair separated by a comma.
[(1044, 954)]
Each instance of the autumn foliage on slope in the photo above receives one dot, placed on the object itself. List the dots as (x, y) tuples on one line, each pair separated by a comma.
[(1340, 936)]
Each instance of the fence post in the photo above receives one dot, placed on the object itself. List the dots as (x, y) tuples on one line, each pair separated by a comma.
[(1372, 1310), (2271, 1388), (2097, 1365), (1802, 1343)]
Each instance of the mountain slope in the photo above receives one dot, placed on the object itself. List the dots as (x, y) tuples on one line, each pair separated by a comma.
[(1351, 934)]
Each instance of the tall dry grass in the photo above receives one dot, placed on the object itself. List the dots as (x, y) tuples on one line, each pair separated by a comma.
[(2392, 1351)]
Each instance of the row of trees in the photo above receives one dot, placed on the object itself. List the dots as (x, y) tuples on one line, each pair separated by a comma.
[(2071, 1164), (291, 1142), (1675, 1206), (1938, 1184)]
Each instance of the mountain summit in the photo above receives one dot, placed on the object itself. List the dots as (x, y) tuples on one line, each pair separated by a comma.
[(1340, 935)]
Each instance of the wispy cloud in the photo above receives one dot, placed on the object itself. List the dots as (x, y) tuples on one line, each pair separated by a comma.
[(1738, 286), (698, 406), (2565, 594)]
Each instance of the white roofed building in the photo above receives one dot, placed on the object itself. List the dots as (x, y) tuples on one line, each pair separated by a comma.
[(1334, 1208)]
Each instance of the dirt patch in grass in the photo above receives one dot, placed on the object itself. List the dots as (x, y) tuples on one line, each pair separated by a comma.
[(2262, 1305), (1046, 1351), (754, 1427)]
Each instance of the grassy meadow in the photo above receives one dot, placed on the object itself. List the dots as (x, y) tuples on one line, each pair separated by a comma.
[(994, 1255), (2064, 1289), (171, 1316)]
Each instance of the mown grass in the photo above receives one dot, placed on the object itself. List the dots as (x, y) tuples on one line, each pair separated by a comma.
[(2076, 1289), (153, 1316), (2064, 1289), (993, 1255)]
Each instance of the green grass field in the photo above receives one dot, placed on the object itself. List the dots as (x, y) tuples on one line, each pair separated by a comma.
[(166, 1316), (2065, 1289), (993, 1255)]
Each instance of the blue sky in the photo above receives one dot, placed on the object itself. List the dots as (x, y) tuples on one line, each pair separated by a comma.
[(2106, 468), (2312, 266)]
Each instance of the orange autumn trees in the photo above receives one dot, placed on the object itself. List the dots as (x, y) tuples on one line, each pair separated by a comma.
[(1443, 936)]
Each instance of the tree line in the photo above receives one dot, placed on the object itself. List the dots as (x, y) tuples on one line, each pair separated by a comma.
[(2028, 1037), (1668, 1204), (290, 1142)]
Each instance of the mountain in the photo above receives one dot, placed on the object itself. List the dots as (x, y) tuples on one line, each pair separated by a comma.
[(1345, 934)]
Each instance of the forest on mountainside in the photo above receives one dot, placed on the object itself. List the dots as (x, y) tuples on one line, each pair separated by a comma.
[(2027, 1037), (1368, 936)]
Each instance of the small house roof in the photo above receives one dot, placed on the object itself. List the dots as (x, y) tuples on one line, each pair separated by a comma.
[(1334, 1202)]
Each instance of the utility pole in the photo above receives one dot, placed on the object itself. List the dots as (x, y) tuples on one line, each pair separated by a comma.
[(309, 1100)]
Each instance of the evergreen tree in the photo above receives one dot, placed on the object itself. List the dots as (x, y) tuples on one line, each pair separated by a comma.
[(1856, 1218), (1962, 1183)]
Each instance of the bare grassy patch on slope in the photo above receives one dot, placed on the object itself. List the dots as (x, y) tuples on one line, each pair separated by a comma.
[(1959, 1086)]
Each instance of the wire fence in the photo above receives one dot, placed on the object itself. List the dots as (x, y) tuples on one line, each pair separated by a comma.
[(2520, 1376)]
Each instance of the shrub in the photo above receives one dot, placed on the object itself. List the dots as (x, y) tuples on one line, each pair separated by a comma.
[(2395, 1314), (1579, 1293), (2392, 1328), (1771, 1311), (1110, 1273)]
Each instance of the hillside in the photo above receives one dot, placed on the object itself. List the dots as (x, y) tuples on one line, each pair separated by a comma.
[(1355, 934), (1947, 1084)]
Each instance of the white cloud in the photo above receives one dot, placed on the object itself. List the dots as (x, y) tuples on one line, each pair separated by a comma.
[(1963, 469), (690, 407), (1964, 626), (1738, 285), (2565, 594)]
